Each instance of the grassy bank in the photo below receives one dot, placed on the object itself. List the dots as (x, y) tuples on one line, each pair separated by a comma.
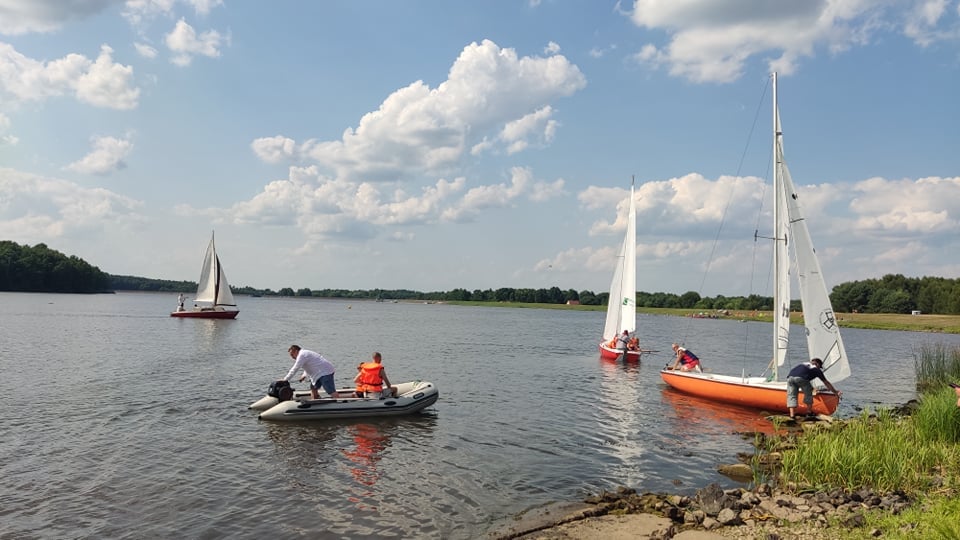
[(918, 454), (948, 324)]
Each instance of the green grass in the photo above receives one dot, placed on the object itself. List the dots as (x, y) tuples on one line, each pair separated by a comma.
[(918, 454)]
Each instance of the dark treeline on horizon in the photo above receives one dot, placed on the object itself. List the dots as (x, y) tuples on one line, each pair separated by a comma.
[(41, 269), (892, 293)]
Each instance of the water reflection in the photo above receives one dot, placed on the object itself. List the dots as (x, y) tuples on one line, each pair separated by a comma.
[(210, 334), (694, 418), (369, 442), (620, 423)]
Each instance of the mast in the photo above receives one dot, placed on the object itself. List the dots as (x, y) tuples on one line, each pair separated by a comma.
[(781, 296)]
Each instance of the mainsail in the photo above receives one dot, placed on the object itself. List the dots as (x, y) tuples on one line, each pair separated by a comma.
[(213, 287), (622, 304)]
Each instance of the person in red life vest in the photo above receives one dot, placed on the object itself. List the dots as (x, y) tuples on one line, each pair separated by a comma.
[(799, 380), (686, 360), (372, 378)]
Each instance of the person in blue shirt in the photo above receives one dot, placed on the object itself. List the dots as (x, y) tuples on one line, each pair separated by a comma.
[(799, 380)]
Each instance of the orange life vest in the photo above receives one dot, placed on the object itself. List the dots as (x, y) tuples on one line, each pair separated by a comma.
[(370, 379)]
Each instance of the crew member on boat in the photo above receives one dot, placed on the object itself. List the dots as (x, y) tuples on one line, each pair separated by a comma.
[(799, 380), (315, 366), (686, 360), (372, 378)]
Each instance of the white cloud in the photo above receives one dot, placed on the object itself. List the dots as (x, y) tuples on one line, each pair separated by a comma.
[(538, 123), (204, 7), (923, 206), (101, 83), (491, 98), (139, 12), (712, 39), (921, 23), (145, 50), (36, 208), (418, 129), (6, 140), (25, 16), (107, 156), (275, 149), (185, 43), (485, 197), (674, 206), (551, 48)]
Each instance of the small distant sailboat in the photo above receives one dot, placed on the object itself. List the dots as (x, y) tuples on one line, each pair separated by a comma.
[(622, 304), (214, 300)]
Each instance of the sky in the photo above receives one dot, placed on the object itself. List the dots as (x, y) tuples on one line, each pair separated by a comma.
[(432, 145)]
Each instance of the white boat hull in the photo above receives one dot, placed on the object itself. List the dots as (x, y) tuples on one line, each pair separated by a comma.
[(412, 397)]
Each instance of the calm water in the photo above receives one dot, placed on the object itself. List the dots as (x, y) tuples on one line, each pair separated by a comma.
[(122, 422)]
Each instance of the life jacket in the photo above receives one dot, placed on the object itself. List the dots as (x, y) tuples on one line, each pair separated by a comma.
[(370, 379), (689, 358)]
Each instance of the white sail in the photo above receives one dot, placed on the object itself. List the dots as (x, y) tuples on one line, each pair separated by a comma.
[(823, 333), (213, 287), (622, 304), (781, 259)]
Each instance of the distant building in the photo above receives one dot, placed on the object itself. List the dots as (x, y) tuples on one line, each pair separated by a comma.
[(573, 302), (915, 312)]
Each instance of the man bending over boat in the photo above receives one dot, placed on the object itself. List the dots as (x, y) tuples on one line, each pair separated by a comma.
[(315, 366), (686, 360), (799, 380), (372, 378)]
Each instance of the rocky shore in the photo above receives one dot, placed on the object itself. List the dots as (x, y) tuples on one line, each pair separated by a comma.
[(766, 512), (712, 513)]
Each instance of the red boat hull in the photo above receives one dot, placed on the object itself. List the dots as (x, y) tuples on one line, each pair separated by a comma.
[(206, 314), (614, 354), (753, 392)]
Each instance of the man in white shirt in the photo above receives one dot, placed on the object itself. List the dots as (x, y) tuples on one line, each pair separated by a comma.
[(315, 366)]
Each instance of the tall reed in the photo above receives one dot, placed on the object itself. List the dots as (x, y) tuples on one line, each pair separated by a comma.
[(935, 365)]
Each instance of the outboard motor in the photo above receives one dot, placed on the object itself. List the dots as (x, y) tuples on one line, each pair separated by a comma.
[(280, 390)]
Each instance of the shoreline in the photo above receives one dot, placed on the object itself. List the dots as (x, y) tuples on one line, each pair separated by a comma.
[(787, 511), (924, 323)]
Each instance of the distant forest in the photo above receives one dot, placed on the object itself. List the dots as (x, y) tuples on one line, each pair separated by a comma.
[(41, 269)]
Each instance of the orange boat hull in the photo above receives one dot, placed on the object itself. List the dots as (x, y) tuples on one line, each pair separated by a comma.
[(613, 354), (746, 392)]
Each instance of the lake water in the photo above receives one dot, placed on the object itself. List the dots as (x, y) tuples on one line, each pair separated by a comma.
[(122, 422)]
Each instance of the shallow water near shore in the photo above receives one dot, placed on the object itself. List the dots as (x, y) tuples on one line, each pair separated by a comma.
[(122, 422)]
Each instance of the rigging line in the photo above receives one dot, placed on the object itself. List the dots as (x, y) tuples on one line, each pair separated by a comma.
[(755, 253), (726, 207)]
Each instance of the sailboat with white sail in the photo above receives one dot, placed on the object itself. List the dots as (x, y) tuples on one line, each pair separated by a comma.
[(622, 304), (214, 300), (822, 331)]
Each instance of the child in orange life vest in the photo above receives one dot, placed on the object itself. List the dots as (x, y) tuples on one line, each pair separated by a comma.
[(372, 378)]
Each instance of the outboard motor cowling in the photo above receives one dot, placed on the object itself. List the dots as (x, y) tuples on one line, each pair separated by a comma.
[(280, 390)]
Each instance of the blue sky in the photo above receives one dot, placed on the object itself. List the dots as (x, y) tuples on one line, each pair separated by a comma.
[(438, 145)]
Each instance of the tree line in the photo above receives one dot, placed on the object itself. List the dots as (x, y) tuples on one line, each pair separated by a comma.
[(41, 269)]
